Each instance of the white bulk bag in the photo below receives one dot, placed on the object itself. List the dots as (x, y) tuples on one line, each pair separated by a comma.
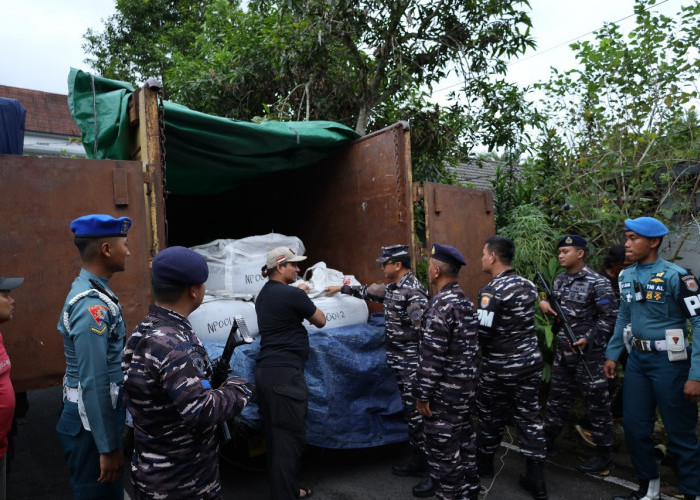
[(322, 276), (340, 310), (212, 320), (235, 265)]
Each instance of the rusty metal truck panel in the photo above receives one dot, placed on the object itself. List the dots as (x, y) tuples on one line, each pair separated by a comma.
[(463, 218), (40, 198)]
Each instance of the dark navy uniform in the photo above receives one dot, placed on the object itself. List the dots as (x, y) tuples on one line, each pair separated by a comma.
[(404, 304), (175, 410), (511, 365), (666, 298), (92, 326), (446, 379), (589, 303)]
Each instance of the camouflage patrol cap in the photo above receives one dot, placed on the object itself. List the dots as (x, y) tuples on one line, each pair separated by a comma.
[(393, 252)]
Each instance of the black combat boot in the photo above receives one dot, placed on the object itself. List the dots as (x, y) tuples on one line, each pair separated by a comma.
[(484, 462), (599, 463), (533, 479), (425, 488), (648, 489), (417, 466)]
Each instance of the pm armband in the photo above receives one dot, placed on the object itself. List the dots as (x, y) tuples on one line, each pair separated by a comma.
[(690, 297)]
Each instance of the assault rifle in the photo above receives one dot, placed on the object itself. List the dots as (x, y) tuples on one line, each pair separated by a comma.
[(239, 335), (563, 321)]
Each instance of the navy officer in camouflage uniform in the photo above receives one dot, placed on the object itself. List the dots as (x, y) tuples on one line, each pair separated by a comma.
[(445, 387), (511, 365), (92, 419), (168, 392), (590, 306), (405, 299), (662, 370)]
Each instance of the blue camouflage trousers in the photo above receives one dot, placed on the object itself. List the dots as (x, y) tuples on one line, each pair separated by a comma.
[(500, 395), (405, 371), (569, 377), (450, 444)]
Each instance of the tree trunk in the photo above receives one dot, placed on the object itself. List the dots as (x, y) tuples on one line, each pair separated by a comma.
[(362, 119)]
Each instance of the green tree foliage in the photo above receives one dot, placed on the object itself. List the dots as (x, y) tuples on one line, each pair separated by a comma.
[(140, 39), (362, 63), (391, 47), (619, 128)]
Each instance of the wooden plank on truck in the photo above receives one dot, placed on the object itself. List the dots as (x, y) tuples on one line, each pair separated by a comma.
[(40, 198), (463, 218)]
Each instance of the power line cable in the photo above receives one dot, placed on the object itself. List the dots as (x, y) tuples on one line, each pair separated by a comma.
[(539, 53)]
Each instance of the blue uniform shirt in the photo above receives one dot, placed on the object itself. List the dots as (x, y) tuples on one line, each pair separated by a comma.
[(93, 337), (662, 308)]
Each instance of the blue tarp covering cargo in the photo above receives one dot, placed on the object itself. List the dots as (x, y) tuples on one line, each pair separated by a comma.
[(12, 115), (354, 401)]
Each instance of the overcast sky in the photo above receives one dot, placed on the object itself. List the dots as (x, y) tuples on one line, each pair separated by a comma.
[(41, 39)]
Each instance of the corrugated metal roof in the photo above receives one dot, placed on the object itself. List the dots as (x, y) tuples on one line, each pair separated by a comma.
[(480, 173)]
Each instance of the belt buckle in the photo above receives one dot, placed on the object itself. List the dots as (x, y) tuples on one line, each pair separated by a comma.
[(641, 345)]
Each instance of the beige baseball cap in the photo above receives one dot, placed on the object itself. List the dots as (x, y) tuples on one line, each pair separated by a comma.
[(280, 255)]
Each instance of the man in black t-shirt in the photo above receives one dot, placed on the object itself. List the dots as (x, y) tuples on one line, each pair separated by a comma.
[(279, 373)]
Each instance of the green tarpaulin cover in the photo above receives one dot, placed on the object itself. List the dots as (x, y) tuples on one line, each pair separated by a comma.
[(204, 154)]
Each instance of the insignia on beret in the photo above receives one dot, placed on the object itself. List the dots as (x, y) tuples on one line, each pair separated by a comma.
[(572, 240), (447, 253), (100, 226)]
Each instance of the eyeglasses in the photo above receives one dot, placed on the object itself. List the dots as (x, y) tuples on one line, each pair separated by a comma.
[(384, 264)]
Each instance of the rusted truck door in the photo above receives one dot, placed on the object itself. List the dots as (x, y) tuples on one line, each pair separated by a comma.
[(362, 202), (463, 218), (40, 197)]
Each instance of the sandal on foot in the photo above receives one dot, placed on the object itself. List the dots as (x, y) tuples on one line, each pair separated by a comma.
[(304, 492)]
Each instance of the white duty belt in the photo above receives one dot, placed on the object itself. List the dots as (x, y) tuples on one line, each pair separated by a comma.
[(70, 394), (650, 345)]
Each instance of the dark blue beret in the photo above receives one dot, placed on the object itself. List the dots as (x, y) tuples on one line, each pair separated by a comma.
[(180, 265), (572, 240), (646, 226), (100, 226), (446, 253), (392, 252)]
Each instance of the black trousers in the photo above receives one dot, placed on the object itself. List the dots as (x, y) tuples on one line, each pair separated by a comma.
[(283, 399)]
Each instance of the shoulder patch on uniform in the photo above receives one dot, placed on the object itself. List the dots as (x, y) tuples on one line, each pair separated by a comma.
[(198, 361), (690, 282), (485, 300), (415, 313), (98, 313)]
